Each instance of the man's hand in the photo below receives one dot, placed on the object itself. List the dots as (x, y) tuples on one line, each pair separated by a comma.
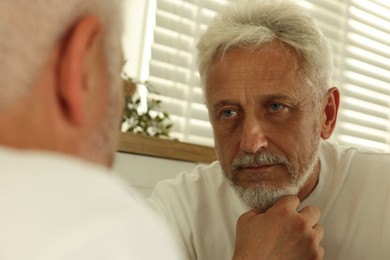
[(279, 233)]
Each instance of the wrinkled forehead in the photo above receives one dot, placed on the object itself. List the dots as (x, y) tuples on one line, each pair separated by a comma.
[(271, 70), (262, 56), (271, 59), (257, 52)]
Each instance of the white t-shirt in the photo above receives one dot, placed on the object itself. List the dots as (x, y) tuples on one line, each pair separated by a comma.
[(54, 207), (353, 194)]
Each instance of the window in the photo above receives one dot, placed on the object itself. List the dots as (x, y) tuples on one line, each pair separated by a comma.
[(365, 75), (172, 67), (358, 31)]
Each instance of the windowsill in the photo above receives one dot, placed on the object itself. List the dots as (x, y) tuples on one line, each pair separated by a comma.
[(169, 149)]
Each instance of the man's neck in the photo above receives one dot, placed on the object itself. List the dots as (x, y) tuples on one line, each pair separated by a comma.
[(311, 183)]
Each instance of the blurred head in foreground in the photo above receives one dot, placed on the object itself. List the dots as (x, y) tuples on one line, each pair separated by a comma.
[(60, 81)]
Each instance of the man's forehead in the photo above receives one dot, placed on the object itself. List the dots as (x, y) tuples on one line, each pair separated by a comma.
[(275, 47), (258, 95)]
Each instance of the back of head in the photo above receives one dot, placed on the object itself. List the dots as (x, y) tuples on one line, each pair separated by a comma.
[(29, 28), (253, 23)]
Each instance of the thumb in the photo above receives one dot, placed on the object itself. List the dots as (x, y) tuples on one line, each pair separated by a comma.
[(258, 211), (290, 202), (252, 213)]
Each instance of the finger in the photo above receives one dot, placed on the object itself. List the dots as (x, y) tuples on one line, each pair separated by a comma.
[(311, 213), (255, 211), (319, 231), (318, 238), (251, 213), (289, 202), (319, 253)]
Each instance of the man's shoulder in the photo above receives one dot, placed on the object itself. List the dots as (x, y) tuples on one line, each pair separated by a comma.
[(204, 184), (209, 175), (63, 202), (16, 161), (45, 178), (355, 162), (340, 153)]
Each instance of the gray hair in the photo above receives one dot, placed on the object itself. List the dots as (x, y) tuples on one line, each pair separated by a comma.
[(28, 29), (252, 23)]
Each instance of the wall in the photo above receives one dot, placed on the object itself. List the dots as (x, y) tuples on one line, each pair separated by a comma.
[(144, 172), (135, 39)]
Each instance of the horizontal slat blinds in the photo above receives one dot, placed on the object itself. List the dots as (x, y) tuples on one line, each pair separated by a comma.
[(358, 32), (173, 74), (364, 115), (327, 14)]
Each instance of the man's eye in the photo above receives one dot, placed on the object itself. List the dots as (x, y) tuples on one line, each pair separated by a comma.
[(229, 113), (276, 106)]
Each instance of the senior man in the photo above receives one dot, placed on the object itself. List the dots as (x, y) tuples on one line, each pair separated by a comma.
[(60, 105), (266, 70)]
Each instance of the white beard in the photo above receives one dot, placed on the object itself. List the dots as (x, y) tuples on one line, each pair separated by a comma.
[(262, 196)]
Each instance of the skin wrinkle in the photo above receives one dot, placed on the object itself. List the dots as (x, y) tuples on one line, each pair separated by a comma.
[(219, 55)]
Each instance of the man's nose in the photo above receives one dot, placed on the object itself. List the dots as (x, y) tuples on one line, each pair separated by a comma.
[(253, 136)]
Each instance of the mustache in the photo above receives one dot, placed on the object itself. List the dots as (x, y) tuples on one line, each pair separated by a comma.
[(259, 159)]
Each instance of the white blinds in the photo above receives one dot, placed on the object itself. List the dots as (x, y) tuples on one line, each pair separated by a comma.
[(365, 76), (179, 23), (358, 31)]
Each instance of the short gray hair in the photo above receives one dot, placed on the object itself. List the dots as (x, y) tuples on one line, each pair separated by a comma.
[(29, 28), (252, 23)]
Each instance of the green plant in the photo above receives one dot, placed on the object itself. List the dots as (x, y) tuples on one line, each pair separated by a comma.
[(152, 122)]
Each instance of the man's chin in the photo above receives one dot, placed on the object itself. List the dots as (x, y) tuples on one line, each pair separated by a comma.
[(263, 196), (260, 185)]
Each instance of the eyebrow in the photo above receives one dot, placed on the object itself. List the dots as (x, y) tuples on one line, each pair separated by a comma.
[(225, 102), (281, 97), (235, 102)]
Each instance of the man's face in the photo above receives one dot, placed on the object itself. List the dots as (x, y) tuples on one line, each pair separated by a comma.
[(265, 126)]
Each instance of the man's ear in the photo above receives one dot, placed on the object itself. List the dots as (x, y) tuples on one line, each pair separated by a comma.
[(329, 111), (72, 70)]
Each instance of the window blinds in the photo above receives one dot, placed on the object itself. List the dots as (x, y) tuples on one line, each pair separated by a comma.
[(365, 76), (179, 24), (359, 34)]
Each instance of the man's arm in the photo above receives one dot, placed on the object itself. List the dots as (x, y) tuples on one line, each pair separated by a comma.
[(279, 233)]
